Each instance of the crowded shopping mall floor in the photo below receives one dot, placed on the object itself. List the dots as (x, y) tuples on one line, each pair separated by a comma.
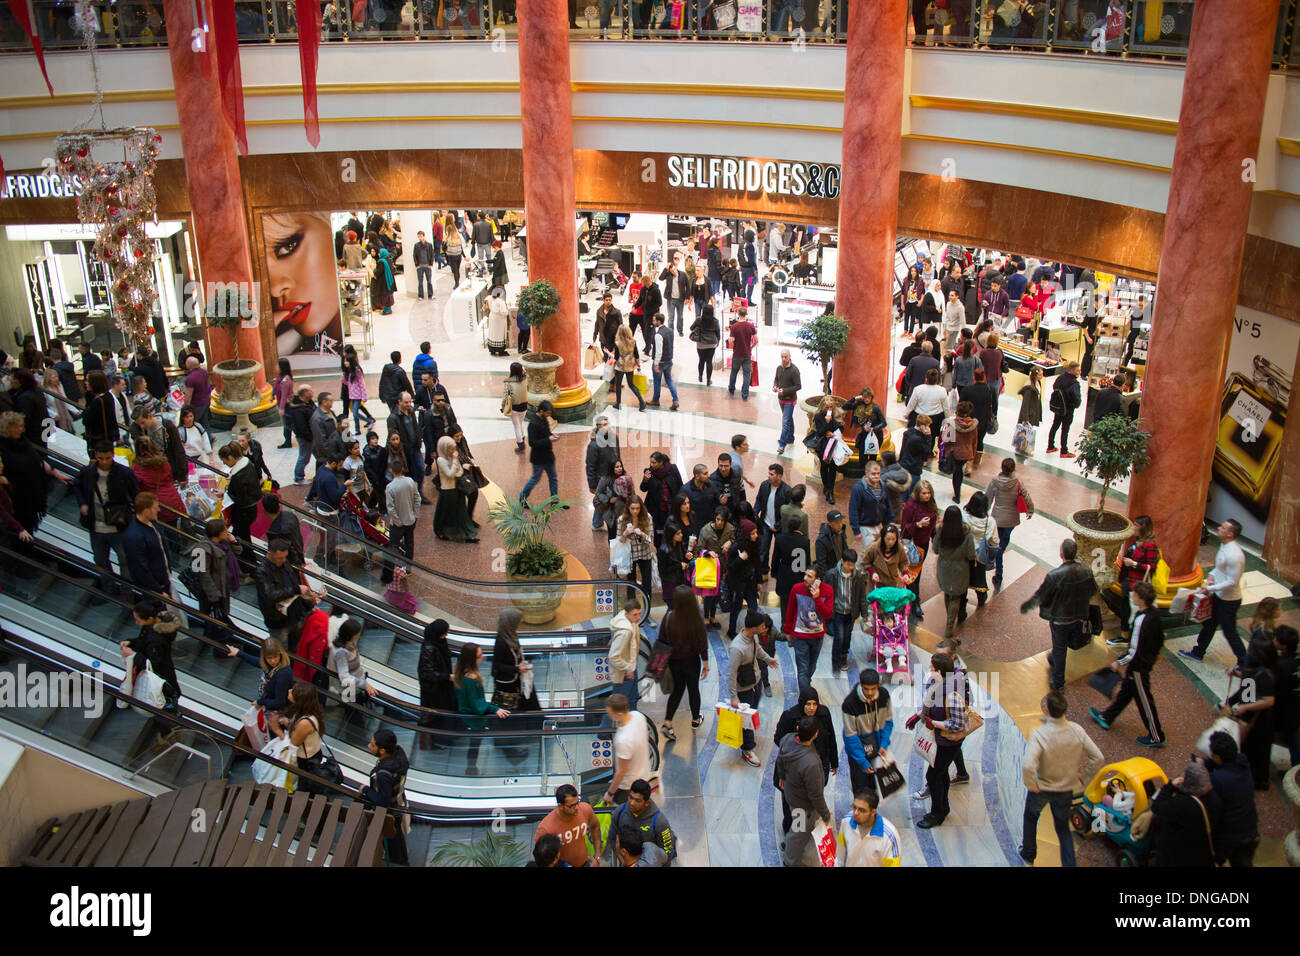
[(716, 802)]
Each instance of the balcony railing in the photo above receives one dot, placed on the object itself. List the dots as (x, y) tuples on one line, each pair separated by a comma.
[(1146, 29)]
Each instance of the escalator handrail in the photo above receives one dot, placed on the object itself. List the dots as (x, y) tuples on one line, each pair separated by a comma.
[(400, 558), (183, 613), (342, 583), (220, 734)]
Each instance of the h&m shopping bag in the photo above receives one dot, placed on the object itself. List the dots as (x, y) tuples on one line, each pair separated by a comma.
[(888, 777), (924, 744)]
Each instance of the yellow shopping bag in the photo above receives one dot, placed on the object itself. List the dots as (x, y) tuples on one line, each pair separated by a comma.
[(639, 380), (1160, 577), (729, 732), (706, 573)]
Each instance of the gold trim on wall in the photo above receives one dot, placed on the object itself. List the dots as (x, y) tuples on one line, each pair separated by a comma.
[(1288, 147), (1145, 124), (696, 89), (673, 121), (1019, 148)]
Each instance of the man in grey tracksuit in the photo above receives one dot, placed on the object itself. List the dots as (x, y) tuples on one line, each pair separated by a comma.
[(802, 780)]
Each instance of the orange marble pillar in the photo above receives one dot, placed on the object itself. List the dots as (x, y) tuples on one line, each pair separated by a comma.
[(1208, 210), (873, 118), (547, 119), (219, 228)]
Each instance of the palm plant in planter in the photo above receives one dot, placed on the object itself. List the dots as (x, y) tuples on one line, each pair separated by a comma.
[(531, 559), (537, 302), (1113, 448), (822, 339)]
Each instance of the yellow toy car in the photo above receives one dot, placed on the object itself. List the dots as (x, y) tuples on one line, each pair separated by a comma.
[(1118, 795)]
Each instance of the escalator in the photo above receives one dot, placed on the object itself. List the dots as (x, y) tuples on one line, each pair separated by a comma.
[(576, 658), (455, 773), (153, 751)]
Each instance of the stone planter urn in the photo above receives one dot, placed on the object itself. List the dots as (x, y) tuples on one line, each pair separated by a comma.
[(536, 602), (1100, 536), (539, 372), (238, 393)]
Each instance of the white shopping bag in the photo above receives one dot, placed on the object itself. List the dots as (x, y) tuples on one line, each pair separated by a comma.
[(277, 748), (620, 556), (924, 744), (1179, 604), (824, 840), (255, 727), (647, 689), (150, 688)]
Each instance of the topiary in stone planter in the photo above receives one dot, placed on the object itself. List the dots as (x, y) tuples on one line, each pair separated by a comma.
[(531, 560), (537, 302), (1114, 448)]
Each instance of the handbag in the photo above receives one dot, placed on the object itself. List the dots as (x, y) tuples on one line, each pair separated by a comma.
[(465, 485), (992, 428), (116, 515), (1022, 506), (913, 553), (322, 764), (985, 552), (1025, 313)]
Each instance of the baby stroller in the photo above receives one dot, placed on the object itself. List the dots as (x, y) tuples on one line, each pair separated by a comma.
[(888, 610), (361, 520)]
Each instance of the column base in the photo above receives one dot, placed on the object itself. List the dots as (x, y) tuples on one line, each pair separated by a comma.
[(576, 404), (266, 413)]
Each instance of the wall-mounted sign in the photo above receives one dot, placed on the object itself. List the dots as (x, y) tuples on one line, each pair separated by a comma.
[(773, 177), (39, 186)]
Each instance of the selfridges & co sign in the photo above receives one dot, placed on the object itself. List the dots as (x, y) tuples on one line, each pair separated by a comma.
[(38, 186), (773, 177)]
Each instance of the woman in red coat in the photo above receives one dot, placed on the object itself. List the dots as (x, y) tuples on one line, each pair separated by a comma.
[(312, 645), (154, 473)]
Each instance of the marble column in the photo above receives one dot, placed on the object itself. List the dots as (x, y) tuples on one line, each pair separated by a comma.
[(547, 119), (873, 117), (217, 222), (1206, 216), (1282, 537)]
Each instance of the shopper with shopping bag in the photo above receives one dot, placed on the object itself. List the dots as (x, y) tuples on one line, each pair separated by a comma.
[(944, 714), (802, 782), (1223, 584), (624, 648), (151, 673), (745, 654)]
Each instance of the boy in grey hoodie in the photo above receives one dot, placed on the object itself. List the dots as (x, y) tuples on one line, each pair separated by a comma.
[(800, 776)]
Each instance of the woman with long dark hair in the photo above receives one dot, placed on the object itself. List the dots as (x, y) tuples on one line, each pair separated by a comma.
[(913, 292), (682, 628), (471, 700), (955, 550), (674, 558), (705, 333), (514, 401), (981, 528)]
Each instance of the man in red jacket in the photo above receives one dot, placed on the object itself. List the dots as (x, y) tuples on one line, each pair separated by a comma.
[(811, 603)]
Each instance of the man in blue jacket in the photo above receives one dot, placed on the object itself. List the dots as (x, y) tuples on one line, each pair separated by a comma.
[(106, 492), (869, 507), (868, 728), (424, 362), (146, 558)]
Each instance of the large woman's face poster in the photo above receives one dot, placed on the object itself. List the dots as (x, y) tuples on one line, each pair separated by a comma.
[(300, 267)]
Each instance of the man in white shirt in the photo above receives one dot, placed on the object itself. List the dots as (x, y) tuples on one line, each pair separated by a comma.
[(775, 242), (866, 838), (631, 748), (1224, 585)]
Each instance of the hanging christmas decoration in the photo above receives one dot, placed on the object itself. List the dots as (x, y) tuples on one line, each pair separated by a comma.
[(117, 196)]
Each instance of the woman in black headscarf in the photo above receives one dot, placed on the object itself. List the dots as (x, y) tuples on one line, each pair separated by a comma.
[(434, 671)]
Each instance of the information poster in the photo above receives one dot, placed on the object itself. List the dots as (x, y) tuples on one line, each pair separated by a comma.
[(1248, 447)]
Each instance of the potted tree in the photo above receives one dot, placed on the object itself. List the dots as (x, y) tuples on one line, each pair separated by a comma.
[(1114, 448), (532, 561), (537, 302), (238, 393), (822, 339), (493, 850)]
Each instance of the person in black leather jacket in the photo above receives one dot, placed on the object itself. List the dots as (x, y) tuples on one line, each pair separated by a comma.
[(276, 583), (434, 671), (1063, 600)]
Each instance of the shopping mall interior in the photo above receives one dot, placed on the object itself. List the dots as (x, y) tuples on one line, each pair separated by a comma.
[(263, 264)]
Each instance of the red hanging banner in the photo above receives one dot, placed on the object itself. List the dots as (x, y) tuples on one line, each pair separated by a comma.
[(226, 39), (18, 9), (308, 13)]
